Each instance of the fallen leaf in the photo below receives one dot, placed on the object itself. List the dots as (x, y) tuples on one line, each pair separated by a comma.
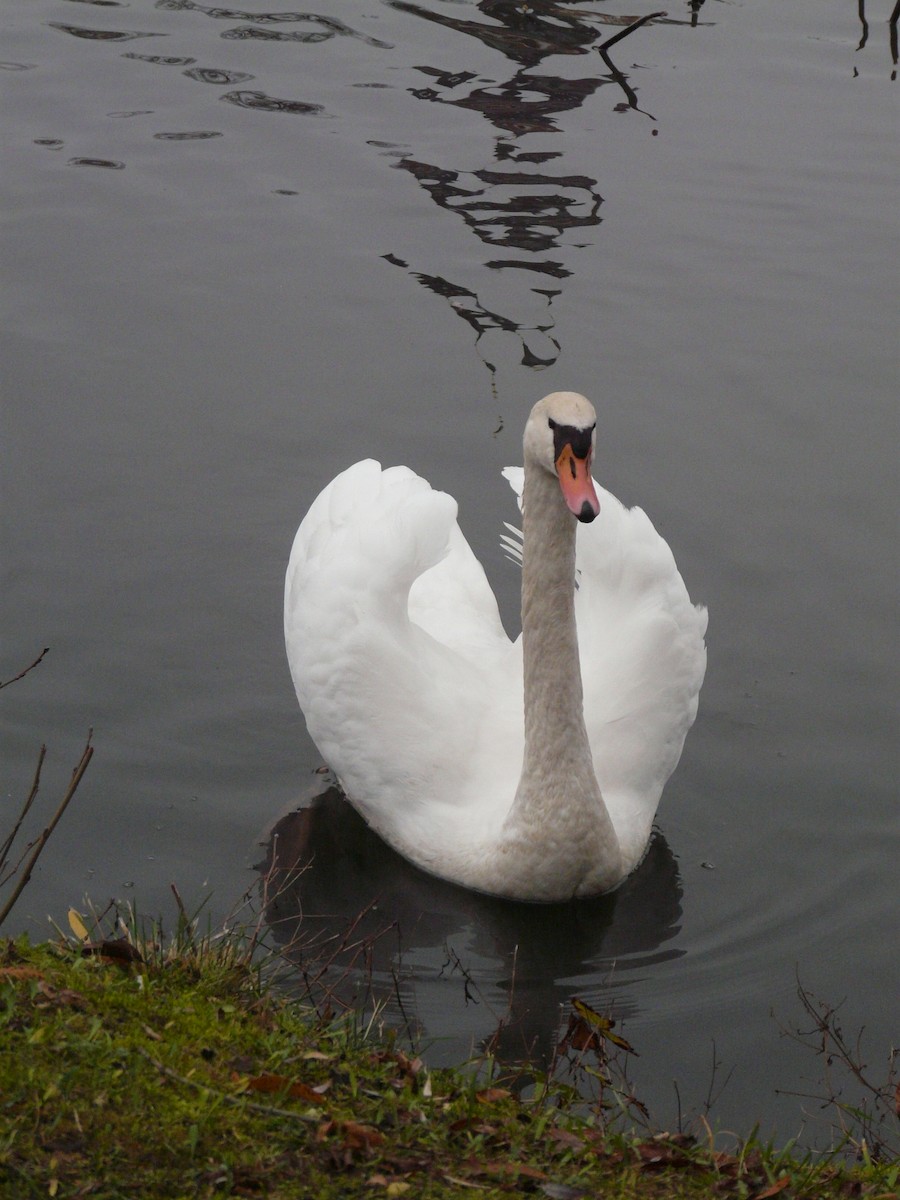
[(505, 1169), (296, 1089), (775, 1188), (492, 1094), (77, 925), (20, 973), (602, 1025), (63, 996), (661, 1154), (565, 1138), (360, 1137), (356, 1136)]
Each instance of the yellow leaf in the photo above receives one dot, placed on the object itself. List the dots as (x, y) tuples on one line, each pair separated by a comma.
[(77, 925), (397, 1188)]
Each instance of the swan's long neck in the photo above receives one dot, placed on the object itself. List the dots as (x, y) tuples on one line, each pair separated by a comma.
[(558, 807), (553, 690)]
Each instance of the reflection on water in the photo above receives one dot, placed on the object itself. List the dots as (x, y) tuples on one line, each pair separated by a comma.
[(211, 75), (109, 163), (197, 135), (512, 207), (161, 60), (99, 35), (525, 32), (260, 100), (892, 33), (328, 876), (328, 27)]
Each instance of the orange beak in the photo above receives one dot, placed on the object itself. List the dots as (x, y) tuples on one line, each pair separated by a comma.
[(577, 486)]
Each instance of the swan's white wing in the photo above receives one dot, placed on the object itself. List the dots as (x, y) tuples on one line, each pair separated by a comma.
[(643, 659), (390, 628), (454, 602)]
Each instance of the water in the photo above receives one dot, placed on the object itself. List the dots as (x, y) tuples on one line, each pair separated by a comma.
[(242, 252)]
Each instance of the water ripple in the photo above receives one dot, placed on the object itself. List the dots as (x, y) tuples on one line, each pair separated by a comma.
[(197, 135), (99, 35), (245, 33), (332, 26), (211, 75), (161, 60), (110, 163), (270, 103)]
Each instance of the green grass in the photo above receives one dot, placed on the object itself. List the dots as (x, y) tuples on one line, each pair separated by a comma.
[(187, 1076)]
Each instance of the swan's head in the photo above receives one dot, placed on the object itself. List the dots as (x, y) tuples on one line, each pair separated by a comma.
[(559, 437)]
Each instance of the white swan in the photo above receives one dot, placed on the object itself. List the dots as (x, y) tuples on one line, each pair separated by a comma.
[(415, 695)]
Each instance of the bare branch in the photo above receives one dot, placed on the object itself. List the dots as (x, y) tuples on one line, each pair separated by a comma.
[(22, 674), (7, 845), (77, 775)]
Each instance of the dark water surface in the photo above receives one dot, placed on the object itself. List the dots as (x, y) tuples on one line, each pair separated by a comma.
[(244, 247)]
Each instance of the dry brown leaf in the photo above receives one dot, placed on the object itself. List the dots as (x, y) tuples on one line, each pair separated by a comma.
[(63, 996), (661, 1154), (775, 1188), (505, 1169), (20, 973), (492, 1094), (358, 1135), (297, 1090), (565, 1138)]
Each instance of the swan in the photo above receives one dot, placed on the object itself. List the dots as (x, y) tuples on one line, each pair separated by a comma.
[(529, 769)]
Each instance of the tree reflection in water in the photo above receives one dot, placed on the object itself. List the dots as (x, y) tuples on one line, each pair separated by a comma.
[(537, 216)]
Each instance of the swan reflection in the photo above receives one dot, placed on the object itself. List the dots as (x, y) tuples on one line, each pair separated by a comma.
[(456, 963)]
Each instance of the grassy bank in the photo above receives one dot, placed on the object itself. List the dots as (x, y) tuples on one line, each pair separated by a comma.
[(185, 1075)]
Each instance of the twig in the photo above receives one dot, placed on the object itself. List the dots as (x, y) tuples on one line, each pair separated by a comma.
[(22, 674), (617, 37), (862, 1125), (41, 842), (7, 845)]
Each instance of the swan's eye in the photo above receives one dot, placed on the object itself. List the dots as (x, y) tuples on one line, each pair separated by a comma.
[(551, 422)]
